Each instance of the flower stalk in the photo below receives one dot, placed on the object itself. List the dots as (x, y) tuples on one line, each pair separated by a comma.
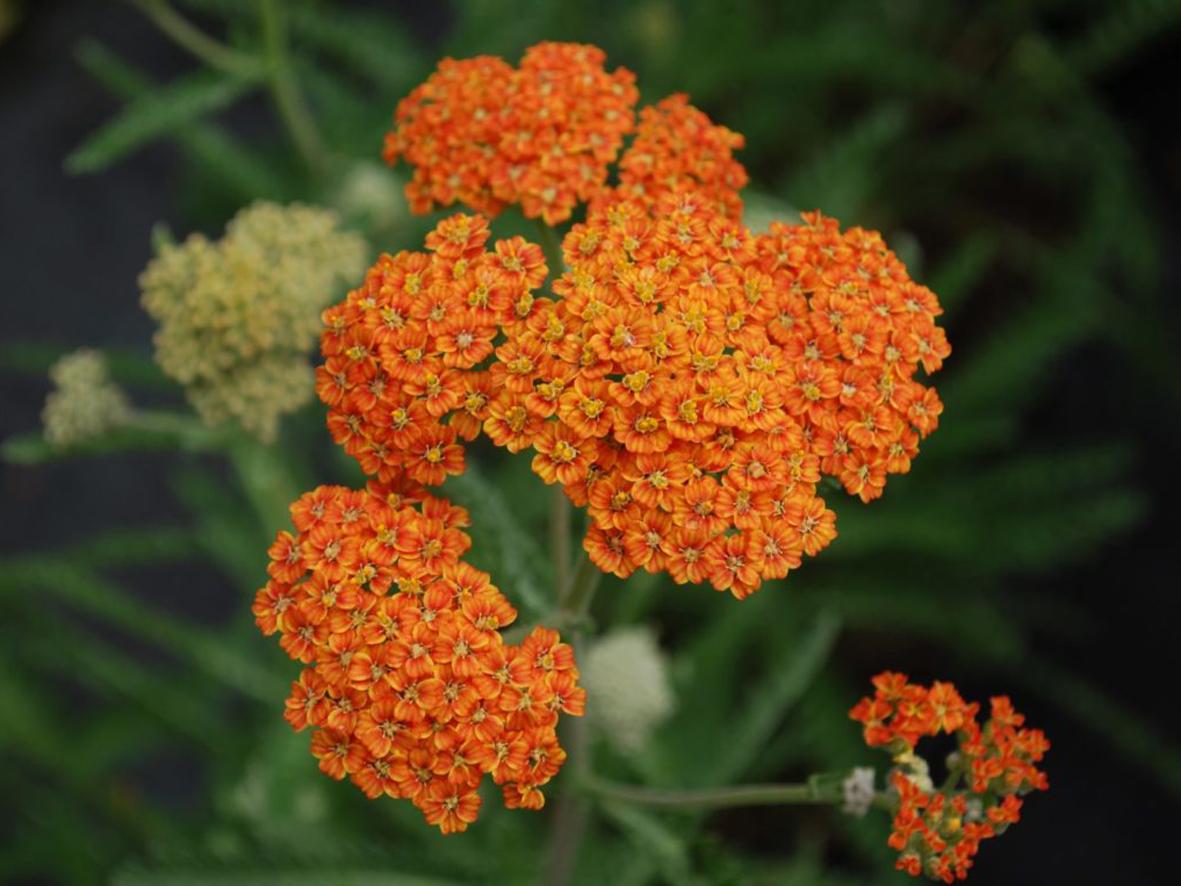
[(285, 91), (819, 790), (185, 34)]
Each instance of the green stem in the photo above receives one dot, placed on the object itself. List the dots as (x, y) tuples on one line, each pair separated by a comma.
[(285, 91), (559, 528), (822, 789), (572, 815), (551, 245), (574, 604), (807, 793), (187, 35), (574, 593), (266, 482)]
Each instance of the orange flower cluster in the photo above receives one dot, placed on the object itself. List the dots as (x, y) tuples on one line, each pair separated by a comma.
[(938, 832), (694, 381), (410, 687), (399, 376), (678, 148), (542, 135)]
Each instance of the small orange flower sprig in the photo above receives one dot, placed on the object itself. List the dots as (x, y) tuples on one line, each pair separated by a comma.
[(483, 133), (938, 831), (409, 685), (400, 375), (694, 381)]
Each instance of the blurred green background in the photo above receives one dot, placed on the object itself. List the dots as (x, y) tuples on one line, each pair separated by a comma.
[(1024, 158)]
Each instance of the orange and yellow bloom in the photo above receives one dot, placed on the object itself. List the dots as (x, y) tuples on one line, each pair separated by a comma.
[(486, 134), (937, 832), (691, 382), (402, 354), (409, 685), (686, 380)]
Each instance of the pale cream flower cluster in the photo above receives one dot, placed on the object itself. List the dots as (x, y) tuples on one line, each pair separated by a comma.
[(84, 402), (238, 316)]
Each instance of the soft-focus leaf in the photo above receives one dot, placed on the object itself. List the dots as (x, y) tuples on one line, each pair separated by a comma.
[(247, 174), (126, 367), (104, 599), (150, 432), (155, 115), (275, 876), (501, 545), (1125, 731), (788, 677), (650, 837)]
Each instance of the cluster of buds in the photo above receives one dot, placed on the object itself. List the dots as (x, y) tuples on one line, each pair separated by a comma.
[(627, 680), (411, 689), (937, 831)]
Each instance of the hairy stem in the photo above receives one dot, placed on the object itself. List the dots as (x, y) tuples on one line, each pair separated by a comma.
[(574, 604), (573, 812), (285, 91), (714, 798), (574, 593), (824, 790)]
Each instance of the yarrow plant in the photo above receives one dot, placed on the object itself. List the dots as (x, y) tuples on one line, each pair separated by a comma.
[(686, 381)]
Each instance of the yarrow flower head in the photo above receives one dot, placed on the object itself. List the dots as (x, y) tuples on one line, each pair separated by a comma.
[(486, 134), (689, 383), (938, 831), (409, 686), (84, 403), (694, 381), (626, 677), (238, 316)]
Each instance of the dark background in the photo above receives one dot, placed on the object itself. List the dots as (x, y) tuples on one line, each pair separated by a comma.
[(71, 248)]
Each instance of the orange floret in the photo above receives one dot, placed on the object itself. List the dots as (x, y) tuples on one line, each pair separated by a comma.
[(409, 685), (937, 832), (485, 134)]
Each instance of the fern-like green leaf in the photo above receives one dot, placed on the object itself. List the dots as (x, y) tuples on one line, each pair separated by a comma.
[(156, 115)]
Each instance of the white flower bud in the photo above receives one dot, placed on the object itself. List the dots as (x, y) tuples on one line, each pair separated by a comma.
[(858, 790), (628, 692)]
